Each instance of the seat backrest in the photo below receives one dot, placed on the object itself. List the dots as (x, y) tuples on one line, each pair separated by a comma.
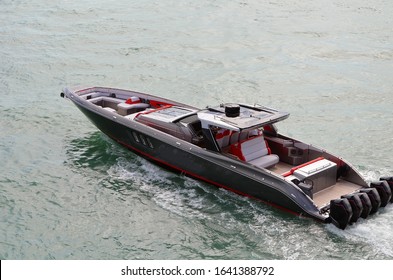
[(243, 135), (222, 137), (254, 148), (234, 138)]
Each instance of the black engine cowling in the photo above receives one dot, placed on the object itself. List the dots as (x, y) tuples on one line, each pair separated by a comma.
[(356, 205), (374, 198), (340, 212), (389, 180), (384, 191), (366, 203)]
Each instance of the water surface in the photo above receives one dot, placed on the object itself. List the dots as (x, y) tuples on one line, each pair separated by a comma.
[(68, 192)]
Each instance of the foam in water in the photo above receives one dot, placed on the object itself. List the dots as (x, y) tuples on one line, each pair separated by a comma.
[(196, 200), (376, 229), (179, 197)]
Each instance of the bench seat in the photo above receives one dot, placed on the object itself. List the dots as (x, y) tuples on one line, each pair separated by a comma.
[(255, 151)]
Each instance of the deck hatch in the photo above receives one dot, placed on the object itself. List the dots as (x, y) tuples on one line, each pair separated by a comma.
[(168, 114)]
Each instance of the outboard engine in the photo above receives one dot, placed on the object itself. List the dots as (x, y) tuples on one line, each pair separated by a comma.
[(374, 198), (356, 205), (366, 203), (389, 180), (340, 212), (384, 191)]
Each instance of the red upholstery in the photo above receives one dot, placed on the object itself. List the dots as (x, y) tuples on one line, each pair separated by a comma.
[(254, 150), (133, 100), (222, 137)]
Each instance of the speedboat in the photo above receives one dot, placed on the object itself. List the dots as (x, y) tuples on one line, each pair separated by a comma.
[(236, 147)]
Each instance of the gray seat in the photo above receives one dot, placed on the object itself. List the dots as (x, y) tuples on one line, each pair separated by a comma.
[(256, 152)]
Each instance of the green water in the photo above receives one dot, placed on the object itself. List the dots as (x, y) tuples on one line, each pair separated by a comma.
[(68, 192)]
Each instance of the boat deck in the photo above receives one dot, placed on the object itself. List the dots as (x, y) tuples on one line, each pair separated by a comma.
[(342, 187), (324, 196), (162, 114), (281, 168)]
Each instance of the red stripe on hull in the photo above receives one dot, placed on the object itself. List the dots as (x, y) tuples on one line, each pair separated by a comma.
[(190, 174)]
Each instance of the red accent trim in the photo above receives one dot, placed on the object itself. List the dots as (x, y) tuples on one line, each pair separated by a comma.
[(158, 104), (236, 150), (83, 90), (205, 179), (290, 172), (220, 135), (129, 101), (269, 151), (179, 169), (268, 128)]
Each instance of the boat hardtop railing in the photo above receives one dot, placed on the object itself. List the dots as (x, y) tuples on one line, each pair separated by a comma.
[(237, 117)]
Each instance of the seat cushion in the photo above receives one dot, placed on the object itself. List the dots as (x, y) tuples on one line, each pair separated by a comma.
[(254, 148), (255, 151), (265, 161), (126, 109)]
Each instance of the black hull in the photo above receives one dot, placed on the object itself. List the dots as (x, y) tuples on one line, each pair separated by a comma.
[(193, 161)]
